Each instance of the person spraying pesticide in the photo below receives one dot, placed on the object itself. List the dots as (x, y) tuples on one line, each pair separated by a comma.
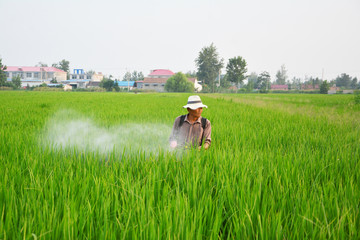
[(191, 130)]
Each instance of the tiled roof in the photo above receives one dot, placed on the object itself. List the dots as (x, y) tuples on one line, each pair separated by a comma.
[(161, 72), (32, 69), (155, 80), (279, 87)]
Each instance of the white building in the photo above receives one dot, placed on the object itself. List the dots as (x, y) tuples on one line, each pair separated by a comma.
[(157, 78), (35, 76), (80, 79)]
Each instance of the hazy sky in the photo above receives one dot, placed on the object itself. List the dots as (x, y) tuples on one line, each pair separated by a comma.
[(112, 36)]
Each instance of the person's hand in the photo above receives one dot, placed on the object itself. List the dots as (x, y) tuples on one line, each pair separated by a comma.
[(173, 144), (206, 146)]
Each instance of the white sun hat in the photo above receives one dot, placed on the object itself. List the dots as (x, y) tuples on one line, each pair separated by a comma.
[(194, 102)]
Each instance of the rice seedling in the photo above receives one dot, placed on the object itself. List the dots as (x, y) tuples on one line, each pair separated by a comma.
[(280, 167)]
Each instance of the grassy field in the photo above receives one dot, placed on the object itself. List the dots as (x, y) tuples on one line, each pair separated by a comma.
[(280, 167)]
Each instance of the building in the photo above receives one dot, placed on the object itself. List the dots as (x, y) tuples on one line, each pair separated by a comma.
[(310, 87), (280, 87), (333, 89), (160, 73), (126, 84), (67, 87), (80, 79), (348, 91), (76, 83), (157, 84), (80, 74), (139, 84), (197, 85), (35, 76), (157, 78), (93, 84)]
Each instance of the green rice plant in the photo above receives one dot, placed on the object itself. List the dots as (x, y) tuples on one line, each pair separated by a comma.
[(280, 167)]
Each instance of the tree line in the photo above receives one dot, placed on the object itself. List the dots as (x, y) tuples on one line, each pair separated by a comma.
[(208, 72)]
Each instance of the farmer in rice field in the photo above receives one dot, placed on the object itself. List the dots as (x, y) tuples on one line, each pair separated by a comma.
[(191, 130)]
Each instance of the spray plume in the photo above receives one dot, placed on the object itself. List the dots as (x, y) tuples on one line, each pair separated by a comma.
[(67, 130)]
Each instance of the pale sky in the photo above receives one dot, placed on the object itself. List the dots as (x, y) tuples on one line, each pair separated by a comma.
[(113, 36)]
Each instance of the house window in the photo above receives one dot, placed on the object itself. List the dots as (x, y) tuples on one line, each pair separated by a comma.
[(146, 84), (88, 77), (73, 76), (7, 74), (36, 75), (162, 85), (28, 75), (81, 77), (155, 84)]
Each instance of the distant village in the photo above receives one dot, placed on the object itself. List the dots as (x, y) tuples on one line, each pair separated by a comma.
[(53, 77)]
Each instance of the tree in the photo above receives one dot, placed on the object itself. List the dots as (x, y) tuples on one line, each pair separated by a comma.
[(253, 77), (343, 81), (296, 83), (281, 76), (264, 82), (137, 76), (16, 81), (3, 77), (134, 76), (41, 64), (249, 86), (236, 69), (190, 74), (353, 83), (208, 65), (90, 72), (127, 76), (324, 87), (224, 83), (140, 76), (179, 83), (107, 83), (63, 65)]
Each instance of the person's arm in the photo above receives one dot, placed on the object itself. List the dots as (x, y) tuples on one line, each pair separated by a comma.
[(207, 135), (173, 137)]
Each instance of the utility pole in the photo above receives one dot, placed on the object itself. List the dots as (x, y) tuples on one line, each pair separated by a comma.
[(219, 77)]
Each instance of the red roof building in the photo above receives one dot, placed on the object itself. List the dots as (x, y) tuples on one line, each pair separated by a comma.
[(33, 76), (310, 87), (160, 73), (280, 87)]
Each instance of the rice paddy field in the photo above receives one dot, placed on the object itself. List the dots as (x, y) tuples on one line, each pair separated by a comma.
[(96, 166)]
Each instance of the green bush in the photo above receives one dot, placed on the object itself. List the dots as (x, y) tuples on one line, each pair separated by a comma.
[(357, 97)]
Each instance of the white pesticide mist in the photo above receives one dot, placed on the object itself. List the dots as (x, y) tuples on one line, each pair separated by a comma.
[(67, 130)]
